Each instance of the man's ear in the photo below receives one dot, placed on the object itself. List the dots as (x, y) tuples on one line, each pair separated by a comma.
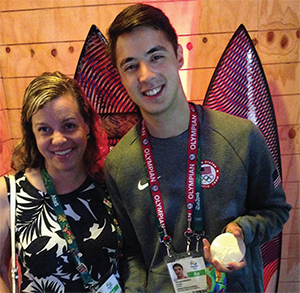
[(180, 55)]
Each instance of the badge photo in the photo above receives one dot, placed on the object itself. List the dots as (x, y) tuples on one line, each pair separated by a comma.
[(188, 274)]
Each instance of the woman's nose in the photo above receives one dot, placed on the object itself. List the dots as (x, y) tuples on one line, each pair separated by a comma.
[(58, 138)]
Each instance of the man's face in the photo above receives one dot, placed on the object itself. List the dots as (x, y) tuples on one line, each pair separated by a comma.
[(149, 69), (178, 271)]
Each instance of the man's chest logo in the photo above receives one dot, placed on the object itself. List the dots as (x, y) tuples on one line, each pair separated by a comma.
[(210, 174)]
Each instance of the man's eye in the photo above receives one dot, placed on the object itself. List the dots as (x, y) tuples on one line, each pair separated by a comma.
[(157, 57), (130, 67)]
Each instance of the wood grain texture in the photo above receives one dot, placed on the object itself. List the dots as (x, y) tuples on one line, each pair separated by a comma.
[(5, 133), (38, 36)]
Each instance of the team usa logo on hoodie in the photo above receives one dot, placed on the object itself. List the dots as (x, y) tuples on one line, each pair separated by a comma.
[(210, 174)]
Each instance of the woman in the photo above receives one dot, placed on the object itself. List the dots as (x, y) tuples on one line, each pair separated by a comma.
[(61, 140)]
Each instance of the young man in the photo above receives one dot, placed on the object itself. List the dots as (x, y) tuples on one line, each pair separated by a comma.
[(152, 174), (178, 269)]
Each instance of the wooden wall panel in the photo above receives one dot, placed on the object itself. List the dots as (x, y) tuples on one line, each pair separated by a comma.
[(289, 140), (10, 5), (2, 95), (31, 60), (285, 287), (196, 82), (72, 22), (288, 109), (5, 133), (38, 36), (291, 168), (15, 89), (293, 227), (279, 82), (34, 59), (278, 14), (275, 46), (15, 123), (283, 78), (69, 23), (6, 148), (291, 277)]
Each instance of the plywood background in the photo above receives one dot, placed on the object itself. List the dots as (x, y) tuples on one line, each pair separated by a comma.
[(48, 35)]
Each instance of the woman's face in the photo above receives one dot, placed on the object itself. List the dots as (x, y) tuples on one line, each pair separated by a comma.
[(61, 134)]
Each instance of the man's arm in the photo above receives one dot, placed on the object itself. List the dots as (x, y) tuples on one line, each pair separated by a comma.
[(266, 210)]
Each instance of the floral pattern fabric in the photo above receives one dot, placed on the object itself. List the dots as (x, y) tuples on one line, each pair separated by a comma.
[(46, 263)]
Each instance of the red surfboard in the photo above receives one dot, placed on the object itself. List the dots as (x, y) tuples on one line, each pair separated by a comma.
[(239, 87), (101, 82)]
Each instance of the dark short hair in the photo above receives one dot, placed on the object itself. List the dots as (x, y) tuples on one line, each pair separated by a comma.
[(140, 15), (177, 265)]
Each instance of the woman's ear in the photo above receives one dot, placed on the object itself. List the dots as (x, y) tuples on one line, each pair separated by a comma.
[(87, 129)]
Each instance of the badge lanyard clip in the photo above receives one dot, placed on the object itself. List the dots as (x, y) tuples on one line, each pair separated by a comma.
[(167, 240), (199, 237), (188, 234)]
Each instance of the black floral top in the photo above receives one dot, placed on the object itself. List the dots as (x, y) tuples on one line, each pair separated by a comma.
[(46, 264)]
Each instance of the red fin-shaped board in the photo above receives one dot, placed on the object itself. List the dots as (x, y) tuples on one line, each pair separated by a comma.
[(239, 87), (101, 83)]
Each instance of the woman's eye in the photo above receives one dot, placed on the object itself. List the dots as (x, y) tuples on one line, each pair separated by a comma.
[(44, 129), (70, 126)]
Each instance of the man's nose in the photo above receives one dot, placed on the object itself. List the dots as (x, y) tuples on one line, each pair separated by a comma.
[(145, 72)]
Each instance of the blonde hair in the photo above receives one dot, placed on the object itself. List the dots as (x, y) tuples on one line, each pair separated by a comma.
[(41, 90)]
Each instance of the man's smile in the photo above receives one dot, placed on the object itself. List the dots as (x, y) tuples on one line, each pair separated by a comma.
[(153, 92)]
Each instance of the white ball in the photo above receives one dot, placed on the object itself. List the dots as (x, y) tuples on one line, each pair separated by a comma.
[(226, 248)]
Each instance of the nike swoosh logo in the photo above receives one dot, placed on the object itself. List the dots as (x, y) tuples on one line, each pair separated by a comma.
[(142, 186)]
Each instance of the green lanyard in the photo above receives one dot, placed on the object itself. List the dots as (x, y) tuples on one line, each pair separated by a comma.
[(66, 229)]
